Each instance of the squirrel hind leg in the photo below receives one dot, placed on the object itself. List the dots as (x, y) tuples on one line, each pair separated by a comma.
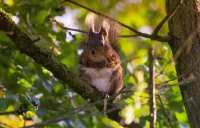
[(105, 103)]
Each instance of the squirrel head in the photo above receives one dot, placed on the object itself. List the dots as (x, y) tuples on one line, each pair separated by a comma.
[(99, 24), (102, 37), (97, 39), (97, 45)]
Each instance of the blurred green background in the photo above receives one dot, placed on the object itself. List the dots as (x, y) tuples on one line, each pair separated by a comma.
[(22, 81)]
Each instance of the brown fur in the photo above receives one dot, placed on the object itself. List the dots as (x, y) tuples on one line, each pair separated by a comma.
[(100, 63), (95, 23)]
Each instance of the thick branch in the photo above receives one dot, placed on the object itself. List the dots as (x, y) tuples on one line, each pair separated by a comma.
[(45, 58), (48, 60)]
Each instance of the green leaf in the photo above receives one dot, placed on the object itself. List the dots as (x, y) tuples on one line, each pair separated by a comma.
[(182, 117), (4, 37), (24, 83), (41, 16)]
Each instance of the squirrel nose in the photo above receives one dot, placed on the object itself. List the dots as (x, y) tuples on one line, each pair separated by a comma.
[(93, 52)]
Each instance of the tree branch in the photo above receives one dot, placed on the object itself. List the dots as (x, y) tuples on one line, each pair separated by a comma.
[(166, 18), (84, 31), (45, 58), (85, 107), (165, 112), (57, 119), (152, 89), (108, 17), (8, 113), (138, 33), (67, 28)]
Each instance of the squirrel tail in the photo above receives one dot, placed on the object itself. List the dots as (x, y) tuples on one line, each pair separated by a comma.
[(95, 23)]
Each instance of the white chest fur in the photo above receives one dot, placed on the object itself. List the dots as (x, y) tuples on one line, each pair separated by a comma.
[(100, 78)]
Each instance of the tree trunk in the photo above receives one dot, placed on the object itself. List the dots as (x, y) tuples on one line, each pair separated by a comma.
[(184, 27)]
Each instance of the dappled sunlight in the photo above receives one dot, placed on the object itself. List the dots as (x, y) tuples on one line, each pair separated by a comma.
[(41, 80)]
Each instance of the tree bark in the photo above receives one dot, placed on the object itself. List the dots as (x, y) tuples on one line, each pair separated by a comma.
[(184, 28)]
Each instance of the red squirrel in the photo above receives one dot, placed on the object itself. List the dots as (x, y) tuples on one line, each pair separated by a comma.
[(100, 64)]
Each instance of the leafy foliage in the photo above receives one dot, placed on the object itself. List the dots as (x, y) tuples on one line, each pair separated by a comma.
[(26, 85)]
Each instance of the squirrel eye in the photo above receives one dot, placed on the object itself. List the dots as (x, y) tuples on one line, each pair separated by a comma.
[(93, 52), (102, 42)]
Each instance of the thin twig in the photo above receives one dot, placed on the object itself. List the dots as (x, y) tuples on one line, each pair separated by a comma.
[(138, 33), (85, 107), (170, 80), (164, 67), (36, 40), (56, 119), (166, 18), (67, 28), (8, 113), (4, 125), (180, 83), (152, 90), (60, 118), (76, 110), (166, 82), (164, 111), (128, 36), (108, 17), (186, 78), (85, 32)]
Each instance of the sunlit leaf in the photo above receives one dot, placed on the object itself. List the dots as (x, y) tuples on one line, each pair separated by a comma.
[(24, 83)]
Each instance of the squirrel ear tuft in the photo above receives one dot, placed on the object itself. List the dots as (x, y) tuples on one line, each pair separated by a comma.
[(90, 31), (103, 32)]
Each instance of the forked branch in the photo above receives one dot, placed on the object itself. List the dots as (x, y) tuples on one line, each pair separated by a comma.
[(153, 36), (166, 18)]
